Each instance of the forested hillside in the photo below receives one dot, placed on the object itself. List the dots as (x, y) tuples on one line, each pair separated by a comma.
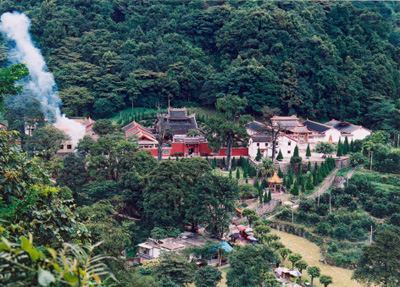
[(316, 59)]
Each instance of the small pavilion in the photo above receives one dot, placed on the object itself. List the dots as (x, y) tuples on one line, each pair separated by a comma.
[(275, 183)]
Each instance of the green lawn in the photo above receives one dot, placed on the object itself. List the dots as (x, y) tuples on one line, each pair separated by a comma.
[(138, 111)]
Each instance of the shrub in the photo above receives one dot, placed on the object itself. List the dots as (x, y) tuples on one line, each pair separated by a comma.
[(341, 231), (379, 210), (324, 228)]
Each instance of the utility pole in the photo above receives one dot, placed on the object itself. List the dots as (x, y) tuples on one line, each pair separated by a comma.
[(370, 166), (370, 237), (292, 216)]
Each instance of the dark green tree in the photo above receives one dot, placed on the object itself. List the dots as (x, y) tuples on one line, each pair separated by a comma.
[(324, 147), (339, 151), (249, 265), (313, 272), (346, 146), (46, 141), (175, 268), (258, 156), (325, 280), (308, 152), (280, 156), (214, 163), (301, 265), (379, 261), (207, 276), (228, 126)]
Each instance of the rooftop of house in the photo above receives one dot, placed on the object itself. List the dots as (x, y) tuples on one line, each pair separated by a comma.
[(286, 122), (299, 129), (2, 124), (188, 239), (314, 126), (255, 126), (261, 137), (344, 127), (134, 128)]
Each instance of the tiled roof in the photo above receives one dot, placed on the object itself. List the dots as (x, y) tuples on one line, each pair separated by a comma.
[(286, 122), (129, 126), (344, 127), (255, 126), (181, 126), (177, 114), (3, 124), (275, 179), (262, 137), (136, 129), (299, 129), (314, 126)]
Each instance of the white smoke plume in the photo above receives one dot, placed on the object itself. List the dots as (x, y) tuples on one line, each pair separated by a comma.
[(15, 26)]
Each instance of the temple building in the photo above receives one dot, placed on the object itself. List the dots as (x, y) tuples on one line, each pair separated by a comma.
[(346, 129), (177, 121), (322, 133), (292, 127), (146, 138)]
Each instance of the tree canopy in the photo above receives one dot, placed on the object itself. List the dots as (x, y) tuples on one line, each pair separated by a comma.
[(315, 59)]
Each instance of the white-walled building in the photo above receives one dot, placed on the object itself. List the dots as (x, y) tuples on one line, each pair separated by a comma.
[(262, 141), (352, 132), (322, 133), (293, 133)]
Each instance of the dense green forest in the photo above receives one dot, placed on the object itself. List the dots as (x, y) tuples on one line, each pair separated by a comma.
[(318, 59)]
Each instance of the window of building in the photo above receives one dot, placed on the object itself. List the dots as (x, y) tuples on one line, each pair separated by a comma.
[(266, 144), (69, 146), (165, 151), (258, 144), (61, 147), (288, 151), (289, 143)]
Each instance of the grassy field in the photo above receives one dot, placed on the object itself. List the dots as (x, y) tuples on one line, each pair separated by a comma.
[(311, 254), (137, 111)]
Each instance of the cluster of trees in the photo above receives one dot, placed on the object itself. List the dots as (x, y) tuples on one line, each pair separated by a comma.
[(318, 60), (168, 195), (305, 180), (37, 222), (348, 214)]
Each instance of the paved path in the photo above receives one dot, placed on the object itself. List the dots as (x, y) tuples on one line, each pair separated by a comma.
[(326, 184), (348, 176)]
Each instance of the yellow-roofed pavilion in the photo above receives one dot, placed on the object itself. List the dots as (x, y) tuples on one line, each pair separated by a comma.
[(275, 183)]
